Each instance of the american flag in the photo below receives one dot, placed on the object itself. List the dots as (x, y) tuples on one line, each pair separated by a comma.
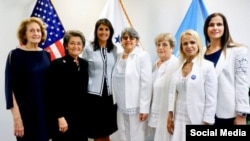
[(55, 30)]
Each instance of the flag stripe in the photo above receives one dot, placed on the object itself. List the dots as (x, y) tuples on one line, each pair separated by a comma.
[(56, 49), (60, 47), (52, 56)]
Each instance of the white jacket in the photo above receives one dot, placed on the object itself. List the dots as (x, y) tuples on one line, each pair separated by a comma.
[(201, 89), (232, 71), (161, 133), (138, 80)]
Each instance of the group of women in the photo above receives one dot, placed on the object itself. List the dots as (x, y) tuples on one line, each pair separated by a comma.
[(106, 94)]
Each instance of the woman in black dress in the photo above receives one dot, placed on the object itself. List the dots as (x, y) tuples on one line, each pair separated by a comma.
[(68, 84), (25, 82)]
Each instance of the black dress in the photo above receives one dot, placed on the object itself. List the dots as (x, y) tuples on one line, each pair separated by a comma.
[(25, 76), (102, 115), (102, 120), (68, 84)]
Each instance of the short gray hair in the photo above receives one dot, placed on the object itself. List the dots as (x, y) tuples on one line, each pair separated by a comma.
[(131, 32)]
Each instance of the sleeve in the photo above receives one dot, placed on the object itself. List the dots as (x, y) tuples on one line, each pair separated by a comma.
[(241, 63), (86, 76), (172, 93), (145, 82), (85, 52), (211, 86), (56, 87), (8, 82), (248, 54)]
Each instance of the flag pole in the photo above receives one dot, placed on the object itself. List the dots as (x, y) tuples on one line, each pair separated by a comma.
[(125, 13), (127, 17)]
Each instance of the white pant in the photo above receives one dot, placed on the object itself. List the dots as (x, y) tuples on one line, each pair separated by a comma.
[(129, 128)]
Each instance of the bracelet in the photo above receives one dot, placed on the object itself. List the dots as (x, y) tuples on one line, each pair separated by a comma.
[(242, 114)]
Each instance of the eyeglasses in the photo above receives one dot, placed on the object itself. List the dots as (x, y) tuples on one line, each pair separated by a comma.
[(128, 37)]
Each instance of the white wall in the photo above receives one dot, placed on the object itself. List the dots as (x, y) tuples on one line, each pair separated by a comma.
[(149, 17)]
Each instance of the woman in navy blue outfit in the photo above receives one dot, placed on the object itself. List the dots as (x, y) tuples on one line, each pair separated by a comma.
[(25, 82), (68, 84)]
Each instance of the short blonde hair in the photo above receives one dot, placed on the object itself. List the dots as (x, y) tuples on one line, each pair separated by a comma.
[(166, 36)]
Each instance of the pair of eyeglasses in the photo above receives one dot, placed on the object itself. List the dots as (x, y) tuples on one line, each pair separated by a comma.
[(128, 37)]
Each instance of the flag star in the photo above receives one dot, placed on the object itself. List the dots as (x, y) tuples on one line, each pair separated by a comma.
[(117, 39)]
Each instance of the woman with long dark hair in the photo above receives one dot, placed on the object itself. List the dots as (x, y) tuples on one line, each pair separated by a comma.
[(101, 55), (231, 63)]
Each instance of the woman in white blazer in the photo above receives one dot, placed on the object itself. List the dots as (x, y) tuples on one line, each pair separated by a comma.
[(231, 62), (193, 89), (132, 86), (163, 69)]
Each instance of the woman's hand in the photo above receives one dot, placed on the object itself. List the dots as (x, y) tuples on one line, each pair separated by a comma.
[(240, 120), (143, 117), (63, 125), (170, 123), (17, 119), (18, 127)]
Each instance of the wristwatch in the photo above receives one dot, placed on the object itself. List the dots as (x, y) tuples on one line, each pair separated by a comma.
[(242, 114)]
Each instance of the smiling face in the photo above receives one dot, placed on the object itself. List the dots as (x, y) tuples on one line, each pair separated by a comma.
[(215, 28), (128, 42), (189, 46), (164, 49), (33, 33), (74, 46), (103, 33)]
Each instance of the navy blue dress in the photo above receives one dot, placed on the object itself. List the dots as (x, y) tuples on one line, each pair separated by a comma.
[(25, 75)]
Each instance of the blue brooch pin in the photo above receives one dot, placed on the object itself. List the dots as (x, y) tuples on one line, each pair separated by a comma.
[(193, 77)]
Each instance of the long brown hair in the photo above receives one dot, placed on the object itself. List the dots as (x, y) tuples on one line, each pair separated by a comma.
[(226, 39)]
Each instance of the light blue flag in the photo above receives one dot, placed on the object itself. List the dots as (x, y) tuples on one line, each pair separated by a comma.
[(194, 19)]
